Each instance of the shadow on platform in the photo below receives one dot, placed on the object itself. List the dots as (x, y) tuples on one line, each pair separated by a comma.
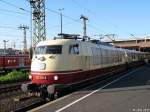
[(138, 80)]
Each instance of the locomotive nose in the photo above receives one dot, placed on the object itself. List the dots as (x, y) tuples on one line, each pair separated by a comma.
[(46, 63)]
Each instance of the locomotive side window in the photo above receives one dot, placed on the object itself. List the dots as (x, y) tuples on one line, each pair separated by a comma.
[(74, 49), (52, 49)]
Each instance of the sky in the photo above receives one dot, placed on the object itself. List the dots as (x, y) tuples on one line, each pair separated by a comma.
[(120, 17)]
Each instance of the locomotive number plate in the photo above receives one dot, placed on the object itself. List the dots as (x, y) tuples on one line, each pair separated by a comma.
[(41, 77)]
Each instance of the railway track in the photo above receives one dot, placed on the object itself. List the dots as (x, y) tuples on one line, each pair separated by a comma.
[(40, 102), (26, 103), (20, 103), (9, 88), (30, 104), (9, 91)]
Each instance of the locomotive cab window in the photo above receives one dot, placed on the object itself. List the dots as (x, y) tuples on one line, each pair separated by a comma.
[(50, 49), (74, 49)]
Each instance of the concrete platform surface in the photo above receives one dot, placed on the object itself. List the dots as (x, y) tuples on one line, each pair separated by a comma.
[(128, 93)]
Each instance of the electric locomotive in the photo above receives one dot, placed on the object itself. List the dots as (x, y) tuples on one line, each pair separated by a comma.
[(62, 63)]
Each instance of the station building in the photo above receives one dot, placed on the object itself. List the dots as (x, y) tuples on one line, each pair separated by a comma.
[(138, 44)]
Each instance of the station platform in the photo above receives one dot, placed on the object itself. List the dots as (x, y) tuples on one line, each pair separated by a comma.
[(128, 93)]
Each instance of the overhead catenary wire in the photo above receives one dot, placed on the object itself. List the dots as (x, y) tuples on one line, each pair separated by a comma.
[(53, 11), (106, 19), (8, 35), (64, 24), (9, 27), (66, 16), (13, 5), (77, 21), (10, 11), (92, 13)]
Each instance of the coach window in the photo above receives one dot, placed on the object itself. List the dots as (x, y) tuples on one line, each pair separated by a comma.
[(74, 49)]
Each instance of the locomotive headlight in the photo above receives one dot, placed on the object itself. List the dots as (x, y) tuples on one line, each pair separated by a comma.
[(55, 77)]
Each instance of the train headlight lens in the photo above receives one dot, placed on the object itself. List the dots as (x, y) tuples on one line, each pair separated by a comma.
[(55, 77)]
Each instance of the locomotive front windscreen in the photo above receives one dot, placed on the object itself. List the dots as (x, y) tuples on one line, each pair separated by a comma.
[(49, 49)]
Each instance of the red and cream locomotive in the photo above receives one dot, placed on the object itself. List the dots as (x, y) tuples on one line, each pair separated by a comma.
[(65, 62)]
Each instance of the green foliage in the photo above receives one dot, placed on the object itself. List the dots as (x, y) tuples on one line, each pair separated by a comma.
[(14, 76)]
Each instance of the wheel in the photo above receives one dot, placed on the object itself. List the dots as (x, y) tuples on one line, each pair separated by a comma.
[(54, 96), (24, 87)]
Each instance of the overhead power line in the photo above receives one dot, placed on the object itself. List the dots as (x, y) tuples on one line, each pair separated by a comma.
[(53, 11), (13, 5), (75, 20), (14, 36), (66, 16), (10, 11), (91, 12), (9, 27)]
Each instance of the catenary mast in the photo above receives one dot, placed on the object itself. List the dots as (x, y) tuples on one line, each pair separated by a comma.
[(38, 21), (24, 28)]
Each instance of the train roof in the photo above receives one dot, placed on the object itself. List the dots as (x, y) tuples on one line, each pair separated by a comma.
[(68, 41), (86, 43), (56, 42)]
